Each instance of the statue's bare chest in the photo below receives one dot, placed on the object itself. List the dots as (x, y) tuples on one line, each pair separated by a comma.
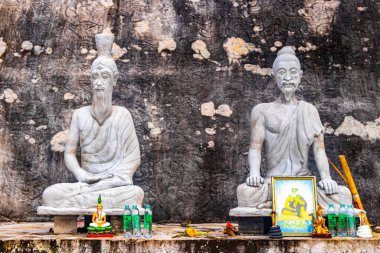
[(275, 116)]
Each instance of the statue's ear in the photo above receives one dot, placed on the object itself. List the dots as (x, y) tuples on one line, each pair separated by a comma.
[(272, 73), (115, 76), (301, 73)]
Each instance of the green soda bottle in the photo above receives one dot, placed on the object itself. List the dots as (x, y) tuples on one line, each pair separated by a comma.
[(148, 217)]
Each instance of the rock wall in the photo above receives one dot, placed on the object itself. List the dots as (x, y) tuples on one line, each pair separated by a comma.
[(191, 71)]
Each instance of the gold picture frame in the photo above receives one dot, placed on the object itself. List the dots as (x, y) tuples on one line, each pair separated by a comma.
[(294, 204)]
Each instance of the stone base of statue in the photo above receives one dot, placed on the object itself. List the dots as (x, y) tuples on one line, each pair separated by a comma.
[(252, 220), (65, 219)]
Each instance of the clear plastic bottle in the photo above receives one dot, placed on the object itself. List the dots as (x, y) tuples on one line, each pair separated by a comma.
[(136, 221), (148, 218), (351, 221), (341, 224), (127, 222), (331, 218)]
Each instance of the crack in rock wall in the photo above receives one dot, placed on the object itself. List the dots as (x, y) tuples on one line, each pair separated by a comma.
[(190, 73)]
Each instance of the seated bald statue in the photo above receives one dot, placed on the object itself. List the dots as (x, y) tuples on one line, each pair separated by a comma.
[(110, 152), (287, 128)]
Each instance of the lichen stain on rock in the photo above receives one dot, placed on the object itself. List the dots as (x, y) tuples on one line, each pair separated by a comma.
[(155, 20), (68, 96), (308, 47), (236, 48), (350, 126), (27, 45), (117, 51), (58, 142), (3, 46), (210, 131), (166, 45), (9, 96), (48, 50), (224, 110), (107, 3), (37, 50), (319, 15), (141, 28), (257, 70), (208, 109), (91, 54), (200, 49)]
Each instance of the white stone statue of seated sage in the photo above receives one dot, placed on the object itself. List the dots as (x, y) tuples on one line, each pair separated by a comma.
[(110, 152), (286, 128)]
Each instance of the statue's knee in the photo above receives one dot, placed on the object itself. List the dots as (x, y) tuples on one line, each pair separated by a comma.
[(140, 191), (344, 191), (242, 188), (49, 195)]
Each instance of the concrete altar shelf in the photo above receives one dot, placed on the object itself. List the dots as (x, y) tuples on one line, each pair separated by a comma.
[(35, 237)]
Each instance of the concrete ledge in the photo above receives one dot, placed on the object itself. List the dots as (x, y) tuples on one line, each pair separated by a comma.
[(35, 237), (47, 210), (250, 212)]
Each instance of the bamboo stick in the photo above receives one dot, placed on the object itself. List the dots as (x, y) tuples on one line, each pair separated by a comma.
[(350, 182), (338, 171)]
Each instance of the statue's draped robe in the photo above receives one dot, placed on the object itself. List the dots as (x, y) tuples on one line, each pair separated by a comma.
[(288, 156), (110, 148)]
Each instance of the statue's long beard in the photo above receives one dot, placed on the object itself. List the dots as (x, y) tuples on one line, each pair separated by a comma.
[(288, 92), (102, 105)]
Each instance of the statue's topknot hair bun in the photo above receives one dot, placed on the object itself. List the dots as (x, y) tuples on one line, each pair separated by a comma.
[(286, 54), (286, 50)]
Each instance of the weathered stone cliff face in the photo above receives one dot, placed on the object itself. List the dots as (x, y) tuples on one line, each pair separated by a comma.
[(191, 71)]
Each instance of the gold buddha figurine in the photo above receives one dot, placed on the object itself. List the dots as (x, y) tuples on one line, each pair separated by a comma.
[(99, 223), (320, 229)]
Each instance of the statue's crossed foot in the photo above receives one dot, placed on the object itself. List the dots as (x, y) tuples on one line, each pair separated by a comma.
[(267, 204)]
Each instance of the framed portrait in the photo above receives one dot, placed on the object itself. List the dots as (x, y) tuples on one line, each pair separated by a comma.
[(294, 204)]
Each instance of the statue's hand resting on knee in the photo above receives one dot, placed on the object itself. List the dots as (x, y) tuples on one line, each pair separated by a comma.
[(254, 180), (329, 185)]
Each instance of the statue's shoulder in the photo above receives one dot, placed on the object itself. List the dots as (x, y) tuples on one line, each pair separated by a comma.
[(82, 111), (122, 111), (261, 109), (309, 107)]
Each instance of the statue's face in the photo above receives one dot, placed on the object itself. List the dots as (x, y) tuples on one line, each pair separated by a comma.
[(102, 79), (288, 77)]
